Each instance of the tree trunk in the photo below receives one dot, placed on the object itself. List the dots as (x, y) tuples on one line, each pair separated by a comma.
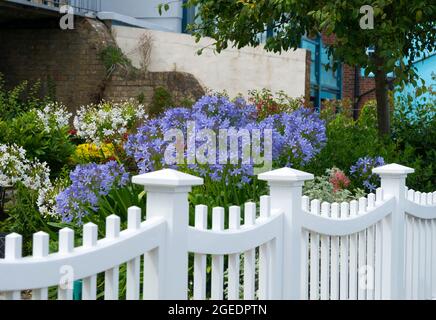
[(381, 93)]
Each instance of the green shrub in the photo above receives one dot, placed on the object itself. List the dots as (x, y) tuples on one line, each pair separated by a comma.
[(21, 98), (48, 142), (161, 100), (349, 140), (113, 56), (414, 132)]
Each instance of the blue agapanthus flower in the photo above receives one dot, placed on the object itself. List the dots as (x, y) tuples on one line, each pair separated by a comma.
[(88, 183), (296, 137), (362, 170)]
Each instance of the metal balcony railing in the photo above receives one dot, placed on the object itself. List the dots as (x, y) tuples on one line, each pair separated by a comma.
[(80, 7)]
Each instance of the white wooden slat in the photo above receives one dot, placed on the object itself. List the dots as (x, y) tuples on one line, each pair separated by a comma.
[(305, 253), (433, 255), (13, 251), (409, 257), (421, 268), (429, 199), (411, 195), (428, 252), (378, 249), (234, 259), (352, 295), (361, 259), (133, 266), (378, 260), (217, 260), (334, 259), (152, 275), (370, 259), (200, 259), (344, 264), (111, 276), (264, 251), (89, 284), (250, 255), (434, 197), (40, 250), (314, 255), (417, 198), (325, 257), (66, 246), (415, 254)]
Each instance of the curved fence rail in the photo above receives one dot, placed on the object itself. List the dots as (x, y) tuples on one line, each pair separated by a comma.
[(382, 246)]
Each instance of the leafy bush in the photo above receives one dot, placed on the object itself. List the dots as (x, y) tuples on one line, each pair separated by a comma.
[(333, 186), (43, 134), (161, 100), (349, 140), (108, 122), (268, 103), (21, 98), (414, 132), (113, 56)]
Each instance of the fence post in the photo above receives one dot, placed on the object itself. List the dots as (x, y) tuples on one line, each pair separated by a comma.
[(167, 197), (286, 192), (393, 183)]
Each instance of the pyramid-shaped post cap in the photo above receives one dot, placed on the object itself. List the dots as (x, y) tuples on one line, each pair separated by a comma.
[(393, 169), (285, 175), (167, 178)]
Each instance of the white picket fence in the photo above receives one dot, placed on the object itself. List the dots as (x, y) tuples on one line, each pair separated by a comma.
[(380, 247)]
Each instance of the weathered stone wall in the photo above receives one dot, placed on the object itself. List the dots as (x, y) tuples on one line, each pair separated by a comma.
[(181, 86)]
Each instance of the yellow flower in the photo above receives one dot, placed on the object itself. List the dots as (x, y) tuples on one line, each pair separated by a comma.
[(88, 152)]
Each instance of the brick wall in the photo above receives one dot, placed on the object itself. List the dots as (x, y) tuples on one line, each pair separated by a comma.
[(70, 61), (66, 58), (348, 80)]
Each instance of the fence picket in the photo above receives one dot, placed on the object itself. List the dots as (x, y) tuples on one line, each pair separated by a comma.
[(421, 255), (433, 263), (134, 265), (217, 260), (334, 259), (362, 269), (264, 251), (89, 284), (325, 256), (13, 251), (415, 252), (234, 259), (111, 276), (352, 295), (314, 255), (200, 259), (378, 248), (409, 256), (40, 250), (250, 255), (305, 202), (428, 253), (370, 247), (66, 246), (344, 264)]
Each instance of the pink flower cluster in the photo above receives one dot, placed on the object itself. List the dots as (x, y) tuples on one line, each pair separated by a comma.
[(339, 180)]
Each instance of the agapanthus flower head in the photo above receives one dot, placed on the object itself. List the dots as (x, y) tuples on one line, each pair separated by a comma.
[(88, 183), (362, 171)]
